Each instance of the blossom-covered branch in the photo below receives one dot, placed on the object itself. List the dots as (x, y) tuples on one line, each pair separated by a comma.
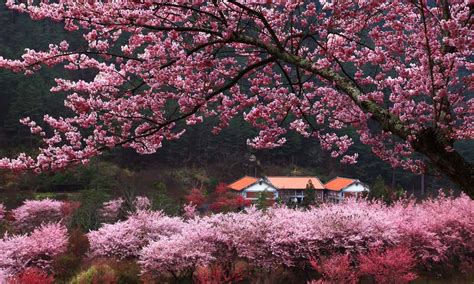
[(398, 72)]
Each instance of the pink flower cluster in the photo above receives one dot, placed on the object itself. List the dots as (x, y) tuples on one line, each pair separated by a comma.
[(283, 66), (142, 203), (111, 209), (34, 250), (125, 239), (435, 231), (36, 212), (114, 209)]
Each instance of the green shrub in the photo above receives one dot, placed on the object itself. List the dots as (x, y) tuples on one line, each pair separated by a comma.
[(99, 273)]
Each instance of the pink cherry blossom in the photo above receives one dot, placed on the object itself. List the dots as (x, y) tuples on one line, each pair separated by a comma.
[(399, 73), (189, 210), (111, 209), (434, 231), (33, 213), (36, 249), (125, 239), (142, 203)]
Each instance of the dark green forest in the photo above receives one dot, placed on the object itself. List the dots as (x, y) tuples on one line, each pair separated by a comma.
[(199, 159)]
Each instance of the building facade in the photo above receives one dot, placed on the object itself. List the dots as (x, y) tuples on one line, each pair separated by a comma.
[(296, 188), (285, 188), (339, 188)]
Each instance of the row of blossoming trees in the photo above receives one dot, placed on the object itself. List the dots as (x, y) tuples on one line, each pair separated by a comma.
[(332, 243)]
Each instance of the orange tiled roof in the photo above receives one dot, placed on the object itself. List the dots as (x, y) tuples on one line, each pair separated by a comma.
[(242, 183), (339, 183), (289, 182)]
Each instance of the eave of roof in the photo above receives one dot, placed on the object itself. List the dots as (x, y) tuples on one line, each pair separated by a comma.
[(339, 183), (294, 182), (242, 183)]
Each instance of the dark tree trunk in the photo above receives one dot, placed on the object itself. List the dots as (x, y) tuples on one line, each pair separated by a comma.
[(451, 163)]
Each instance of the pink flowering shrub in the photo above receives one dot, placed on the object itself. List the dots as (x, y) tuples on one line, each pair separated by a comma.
[(189, 210), (180, 254), (111, 209), (36, 212), (244, 235), (142, 203), (3, 275), (395, 265), (115, 209), (125, 239), (438, 232), (35, 250)]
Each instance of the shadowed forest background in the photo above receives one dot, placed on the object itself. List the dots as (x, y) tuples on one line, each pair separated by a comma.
[(199, 159)]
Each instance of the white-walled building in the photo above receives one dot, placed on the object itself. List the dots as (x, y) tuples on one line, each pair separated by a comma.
[(251, 188), (295, 188), (287, 188), (338, 188)]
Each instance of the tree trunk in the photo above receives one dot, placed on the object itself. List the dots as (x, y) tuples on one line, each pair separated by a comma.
[(450, 163), (422, 185)]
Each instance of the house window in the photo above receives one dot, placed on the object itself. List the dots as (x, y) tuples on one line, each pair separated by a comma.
[(253, 194), (349, 194)]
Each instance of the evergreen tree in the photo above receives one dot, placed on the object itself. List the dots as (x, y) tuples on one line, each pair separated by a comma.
[(263, 200), (310, 195), (378, 189)]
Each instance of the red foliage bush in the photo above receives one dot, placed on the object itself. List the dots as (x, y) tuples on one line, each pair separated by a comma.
[(335, 269), (395, 265), (216, 274), (32, 276), (68, 207), (224, 200), (196, 197)]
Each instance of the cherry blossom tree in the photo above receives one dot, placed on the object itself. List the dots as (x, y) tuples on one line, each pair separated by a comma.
[(125, 239), (110, 211), (189, 210), (433, 233), (35, 250), (142, 203), (397, 72), (386, 242), (180, 254), (33, 213)]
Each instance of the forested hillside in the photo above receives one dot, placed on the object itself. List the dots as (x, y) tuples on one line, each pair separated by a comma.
[(198, 159)]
